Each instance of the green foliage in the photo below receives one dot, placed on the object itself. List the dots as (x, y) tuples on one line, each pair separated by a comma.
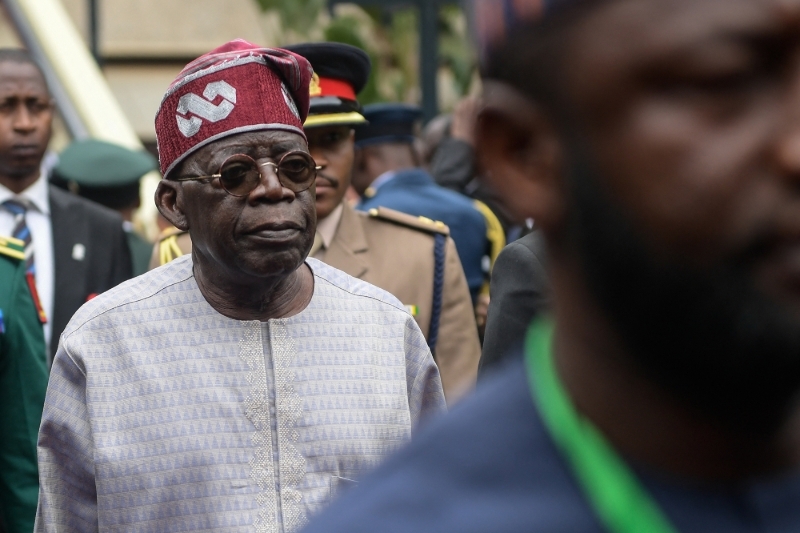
[(294, 13), (391, 38)]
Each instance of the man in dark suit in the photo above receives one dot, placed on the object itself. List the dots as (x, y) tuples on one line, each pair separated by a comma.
[(79, 224), (519, 292), (74, 248)]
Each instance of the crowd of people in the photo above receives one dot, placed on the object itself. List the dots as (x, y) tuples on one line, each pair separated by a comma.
[(332, 279)]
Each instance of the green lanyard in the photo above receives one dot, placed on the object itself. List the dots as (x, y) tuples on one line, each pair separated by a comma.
[(618, 498)]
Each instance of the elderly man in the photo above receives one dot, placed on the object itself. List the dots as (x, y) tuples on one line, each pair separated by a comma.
[(240, 387), (412, 258), (657, 145)]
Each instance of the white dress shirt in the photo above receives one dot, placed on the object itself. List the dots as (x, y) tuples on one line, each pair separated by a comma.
[(38, 220)]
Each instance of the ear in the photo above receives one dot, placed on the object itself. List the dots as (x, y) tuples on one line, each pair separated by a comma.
[(522, 155), (169, 201), (358, 180)]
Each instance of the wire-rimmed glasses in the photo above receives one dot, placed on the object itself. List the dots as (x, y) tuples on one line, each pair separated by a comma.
[(240, 174)]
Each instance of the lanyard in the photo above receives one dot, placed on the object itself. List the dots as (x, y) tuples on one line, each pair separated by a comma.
[(617, 496)]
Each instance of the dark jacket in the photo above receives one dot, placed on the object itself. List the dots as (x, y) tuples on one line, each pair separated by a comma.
[(519, 291), (90, 253)]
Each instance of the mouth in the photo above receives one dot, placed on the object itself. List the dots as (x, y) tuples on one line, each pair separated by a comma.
[(25, 150), (276, 231), (324, 182)]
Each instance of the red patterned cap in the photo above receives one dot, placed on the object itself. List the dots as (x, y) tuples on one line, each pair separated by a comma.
[(235, 88)]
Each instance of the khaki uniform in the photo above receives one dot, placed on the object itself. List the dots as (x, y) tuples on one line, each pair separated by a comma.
[(394, 251)]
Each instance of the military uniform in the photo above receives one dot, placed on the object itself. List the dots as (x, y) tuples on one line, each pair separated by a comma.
[(23, 383), (474, 228), (172, 243)]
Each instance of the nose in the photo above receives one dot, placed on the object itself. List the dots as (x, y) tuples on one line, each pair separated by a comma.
[(23, 121), (270, 186)]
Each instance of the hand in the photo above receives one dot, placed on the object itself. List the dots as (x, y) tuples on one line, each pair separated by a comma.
[(465, 116)]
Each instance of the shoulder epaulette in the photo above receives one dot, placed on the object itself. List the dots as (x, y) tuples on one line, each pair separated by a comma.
[(168, 247), (419, 223), (12, 247), (170, 232)]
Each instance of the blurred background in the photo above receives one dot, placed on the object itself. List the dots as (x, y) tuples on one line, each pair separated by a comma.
[(419, 49)]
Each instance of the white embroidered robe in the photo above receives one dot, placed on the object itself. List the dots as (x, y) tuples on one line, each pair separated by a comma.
[(163, 415)]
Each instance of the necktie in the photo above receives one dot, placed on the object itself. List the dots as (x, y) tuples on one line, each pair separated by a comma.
[(19, 207)]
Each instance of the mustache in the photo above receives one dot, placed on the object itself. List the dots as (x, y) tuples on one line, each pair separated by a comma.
[(331, 180)]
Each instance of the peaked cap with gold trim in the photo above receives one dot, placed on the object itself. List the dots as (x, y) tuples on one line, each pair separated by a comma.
[(340, 72)]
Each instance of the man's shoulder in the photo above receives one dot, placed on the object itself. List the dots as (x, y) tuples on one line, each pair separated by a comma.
[(138, 289), (347, 286), (486, 466), (12, 267), (397, 223), (533, 242), (527, 253)]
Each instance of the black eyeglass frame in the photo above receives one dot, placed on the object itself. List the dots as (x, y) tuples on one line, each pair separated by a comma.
[(289, 184)]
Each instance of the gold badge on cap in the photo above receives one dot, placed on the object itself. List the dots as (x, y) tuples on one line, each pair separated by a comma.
[(314, 89)]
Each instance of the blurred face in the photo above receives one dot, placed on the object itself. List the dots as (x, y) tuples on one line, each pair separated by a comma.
[(685, 190), (267, 233), (332, 149), (680, 197), (26, 114)]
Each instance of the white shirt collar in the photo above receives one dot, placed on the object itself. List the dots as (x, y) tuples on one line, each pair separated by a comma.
[(326, 228), (36, 193)]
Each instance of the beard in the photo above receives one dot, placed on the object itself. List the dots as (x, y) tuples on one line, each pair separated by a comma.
[(707, 336)]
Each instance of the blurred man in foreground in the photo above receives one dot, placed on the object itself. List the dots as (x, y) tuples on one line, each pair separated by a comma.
[(657, 145), (412, 258), (241, 387)]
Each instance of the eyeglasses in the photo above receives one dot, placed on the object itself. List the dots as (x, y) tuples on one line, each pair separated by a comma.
[(239, 174)]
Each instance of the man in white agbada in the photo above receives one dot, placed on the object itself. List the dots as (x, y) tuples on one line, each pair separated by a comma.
[(241, 387)]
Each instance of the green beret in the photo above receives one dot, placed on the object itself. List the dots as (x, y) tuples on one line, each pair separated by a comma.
[(97, 163), (103, 172)]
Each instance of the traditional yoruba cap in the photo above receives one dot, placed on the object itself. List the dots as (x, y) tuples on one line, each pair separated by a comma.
[(388, 123), (235, 88), (340, 72), (106, 173)]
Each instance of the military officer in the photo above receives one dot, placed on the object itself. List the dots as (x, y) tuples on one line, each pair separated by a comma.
[(23, 382), (410, 257), (413, 258), (108, 174), (387, 173)]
